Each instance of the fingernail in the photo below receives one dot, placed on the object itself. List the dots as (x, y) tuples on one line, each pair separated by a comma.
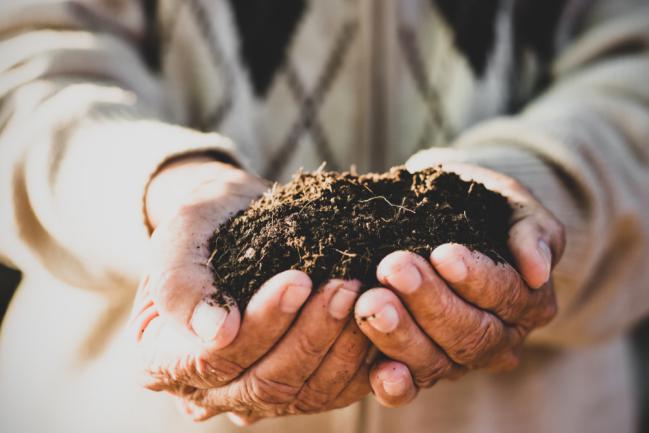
[(207, 320), (454, 270), (342, 302), (451, 265), (293, 298), (546, 256), (395, 388), (385, 320), (406, 279)]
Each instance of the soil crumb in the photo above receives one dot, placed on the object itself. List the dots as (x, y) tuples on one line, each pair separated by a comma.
[(340, 225)]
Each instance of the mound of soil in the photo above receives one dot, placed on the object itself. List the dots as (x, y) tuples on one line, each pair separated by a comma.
[(340, 225)]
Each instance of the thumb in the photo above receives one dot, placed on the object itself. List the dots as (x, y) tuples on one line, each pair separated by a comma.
[(181, 281)]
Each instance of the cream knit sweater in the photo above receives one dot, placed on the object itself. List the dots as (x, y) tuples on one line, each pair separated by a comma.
[(85, 121)]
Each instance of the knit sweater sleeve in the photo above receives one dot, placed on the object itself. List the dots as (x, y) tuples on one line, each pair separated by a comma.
[(82, 129), (583, 149)]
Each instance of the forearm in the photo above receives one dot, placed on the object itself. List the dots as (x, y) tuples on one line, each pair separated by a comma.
[(583, 150), (83, 131)]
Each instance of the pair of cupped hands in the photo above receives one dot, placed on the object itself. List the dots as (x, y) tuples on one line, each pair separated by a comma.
[(299, 349)]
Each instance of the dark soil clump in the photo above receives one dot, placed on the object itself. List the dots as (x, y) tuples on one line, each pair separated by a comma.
[(339, 225)]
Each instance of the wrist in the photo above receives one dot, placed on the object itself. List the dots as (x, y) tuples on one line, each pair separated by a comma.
[(174, 185)]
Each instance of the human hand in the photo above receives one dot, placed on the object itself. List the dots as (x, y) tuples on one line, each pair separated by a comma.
[(273, 361), (459, 310)]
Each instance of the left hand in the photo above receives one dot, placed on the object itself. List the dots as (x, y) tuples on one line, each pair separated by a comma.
[(460, 311)]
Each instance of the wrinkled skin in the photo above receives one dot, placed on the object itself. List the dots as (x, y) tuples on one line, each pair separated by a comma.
[(459, 309), (288, 354), (294, 354)]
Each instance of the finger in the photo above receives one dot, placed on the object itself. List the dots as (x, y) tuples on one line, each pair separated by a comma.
[(497, 288), (392, 384), (167, 355), (267, 317), (337, 369), (305, 345), (242, 413), (538, 230), (382, 317), (536, 242), (468, 335), (278, 377), (356, 389), (181, 282)]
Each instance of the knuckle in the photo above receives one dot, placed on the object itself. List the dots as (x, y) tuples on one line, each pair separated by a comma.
[(217, 370), (509, 277), (446, 307), (509, 311), (308, 347), (477, 345), (348, 354), (260, 390), (490, 288), (478, 277), (436, 370), (512, 301), (311, 399)]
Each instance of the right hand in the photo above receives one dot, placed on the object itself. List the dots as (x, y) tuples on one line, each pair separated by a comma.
[(268, 363)]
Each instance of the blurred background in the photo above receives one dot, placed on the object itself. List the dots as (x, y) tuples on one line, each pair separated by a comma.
[(9, 279)]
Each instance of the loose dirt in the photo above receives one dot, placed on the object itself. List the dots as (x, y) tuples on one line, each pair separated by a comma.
[(340, 225)]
